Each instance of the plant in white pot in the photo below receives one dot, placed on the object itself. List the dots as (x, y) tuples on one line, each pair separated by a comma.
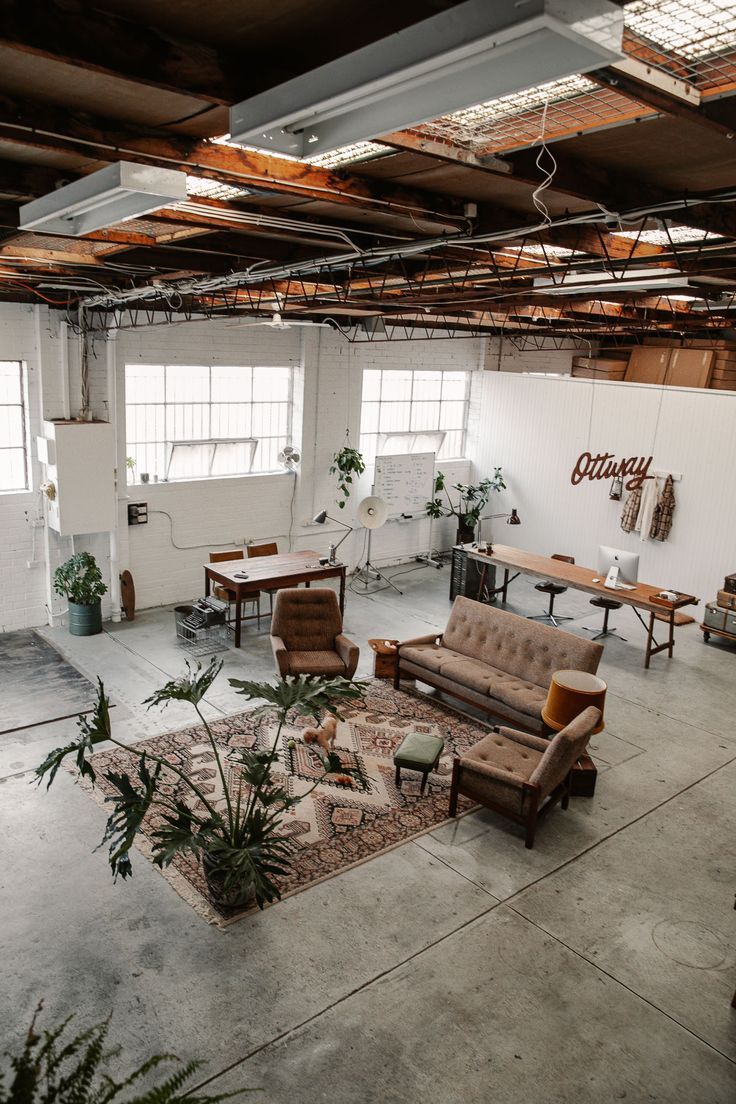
[(79, 580)]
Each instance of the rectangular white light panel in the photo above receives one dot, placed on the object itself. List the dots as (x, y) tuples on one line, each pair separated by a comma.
[(110, 195), (470, 54)]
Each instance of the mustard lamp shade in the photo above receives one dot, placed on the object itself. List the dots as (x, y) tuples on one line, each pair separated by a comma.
[(570, 692)]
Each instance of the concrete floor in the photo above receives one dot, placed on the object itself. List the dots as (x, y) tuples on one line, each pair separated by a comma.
[(457, 968)]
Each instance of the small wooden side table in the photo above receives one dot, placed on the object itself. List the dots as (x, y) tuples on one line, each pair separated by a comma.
[(571, 692), (385, 658)]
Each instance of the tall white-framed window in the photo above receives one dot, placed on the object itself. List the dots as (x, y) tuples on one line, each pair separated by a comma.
[(14, 466), (187, 421), (414, 411)]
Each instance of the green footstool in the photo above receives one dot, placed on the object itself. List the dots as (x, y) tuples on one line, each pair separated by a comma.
[(420, 752)]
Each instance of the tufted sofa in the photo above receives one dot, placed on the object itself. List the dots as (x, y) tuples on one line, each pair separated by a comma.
[(495, 660)]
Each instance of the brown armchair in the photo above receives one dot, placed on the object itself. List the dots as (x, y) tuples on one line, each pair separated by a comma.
[(520, 775), (307, 636)]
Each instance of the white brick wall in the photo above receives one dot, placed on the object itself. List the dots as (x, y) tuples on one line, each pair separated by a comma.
[(217, 513), (225, 512)]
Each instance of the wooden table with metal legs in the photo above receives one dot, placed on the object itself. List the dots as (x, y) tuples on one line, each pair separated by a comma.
[(288, 569), (641, 597)]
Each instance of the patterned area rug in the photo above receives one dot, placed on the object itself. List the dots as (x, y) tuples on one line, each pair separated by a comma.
[(336, 827)]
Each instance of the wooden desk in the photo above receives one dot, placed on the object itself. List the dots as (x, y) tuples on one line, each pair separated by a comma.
[(581, 578), (288, 569)]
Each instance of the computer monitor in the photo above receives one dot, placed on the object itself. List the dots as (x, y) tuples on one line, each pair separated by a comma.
[(626, 562)]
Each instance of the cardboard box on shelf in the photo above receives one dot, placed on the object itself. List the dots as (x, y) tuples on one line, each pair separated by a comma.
[(648, 365), (689, 367)]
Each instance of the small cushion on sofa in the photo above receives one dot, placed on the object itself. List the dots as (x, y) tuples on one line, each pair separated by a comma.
[(498, 751)]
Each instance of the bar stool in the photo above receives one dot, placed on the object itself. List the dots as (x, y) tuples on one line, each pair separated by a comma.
[(606, 604), (553, 589)]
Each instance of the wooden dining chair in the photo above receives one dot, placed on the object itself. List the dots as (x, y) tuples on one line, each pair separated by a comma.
[(269, 549), (253, 599)]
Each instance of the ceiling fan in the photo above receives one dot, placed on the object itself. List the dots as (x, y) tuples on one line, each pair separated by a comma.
[(276, 322)]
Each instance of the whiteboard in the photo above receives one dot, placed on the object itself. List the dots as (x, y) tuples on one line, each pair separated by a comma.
[(405, 483)]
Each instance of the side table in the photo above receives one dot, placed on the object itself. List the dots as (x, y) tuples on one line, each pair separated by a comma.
[(385, 658)]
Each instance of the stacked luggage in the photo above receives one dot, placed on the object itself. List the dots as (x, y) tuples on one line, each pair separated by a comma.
[(720, 616)]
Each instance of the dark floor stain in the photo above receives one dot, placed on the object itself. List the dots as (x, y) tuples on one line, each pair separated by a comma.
[(37, 685)]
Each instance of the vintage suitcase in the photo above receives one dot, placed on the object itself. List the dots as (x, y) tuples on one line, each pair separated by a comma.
[(714, 617), (729, 584), (731, 623), (726, 601)]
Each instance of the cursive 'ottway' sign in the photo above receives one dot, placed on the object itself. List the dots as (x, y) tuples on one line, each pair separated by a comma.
[(604, 466)]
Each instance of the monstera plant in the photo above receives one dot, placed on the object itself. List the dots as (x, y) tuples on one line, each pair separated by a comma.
[(241, 843)]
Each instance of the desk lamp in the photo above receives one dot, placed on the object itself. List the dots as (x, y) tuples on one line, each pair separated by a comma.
[(320, 519), (511, 519)]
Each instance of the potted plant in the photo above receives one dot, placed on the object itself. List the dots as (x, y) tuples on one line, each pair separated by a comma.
[(470, 504), (79, 580), (240, 842), (346, 463)]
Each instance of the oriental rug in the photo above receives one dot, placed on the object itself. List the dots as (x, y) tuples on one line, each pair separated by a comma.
[(337, 826)]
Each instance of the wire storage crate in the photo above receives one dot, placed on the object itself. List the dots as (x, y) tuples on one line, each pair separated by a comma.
[(199, 641)]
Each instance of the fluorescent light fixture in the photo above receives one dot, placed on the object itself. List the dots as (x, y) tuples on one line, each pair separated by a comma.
[(110, 195), (472, 53), (642, 279)]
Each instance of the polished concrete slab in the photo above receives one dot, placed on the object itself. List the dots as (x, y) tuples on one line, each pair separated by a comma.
[(496, 1012), (458, 967)]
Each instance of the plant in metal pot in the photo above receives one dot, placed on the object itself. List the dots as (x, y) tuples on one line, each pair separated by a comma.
[(54, 1067), (79, 580), (346, 464), (471, 502), (239, 839)]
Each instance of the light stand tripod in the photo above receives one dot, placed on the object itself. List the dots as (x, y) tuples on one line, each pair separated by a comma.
[(372, 514)]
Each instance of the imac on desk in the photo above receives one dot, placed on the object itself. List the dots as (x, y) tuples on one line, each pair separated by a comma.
[(619, 569)]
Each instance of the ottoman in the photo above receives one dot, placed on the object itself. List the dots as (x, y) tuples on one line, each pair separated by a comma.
[(418, 751)]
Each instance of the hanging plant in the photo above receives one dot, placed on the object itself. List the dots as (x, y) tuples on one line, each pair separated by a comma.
[(346, 464)]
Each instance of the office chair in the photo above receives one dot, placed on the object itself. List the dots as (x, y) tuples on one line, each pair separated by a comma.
[(553, 590)]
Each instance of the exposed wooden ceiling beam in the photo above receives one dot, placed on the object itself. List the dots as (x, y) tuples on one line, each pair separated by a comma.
[(43, 128), (81, 35), (637, 83)]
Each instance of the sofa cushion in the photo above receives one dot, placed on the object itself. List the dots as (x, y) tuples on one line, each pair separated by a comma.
[(431, 656), (509, 689), (516, 645)]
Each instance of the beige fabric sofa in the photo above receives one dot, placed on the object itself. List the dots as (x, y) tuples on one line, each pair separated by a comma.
[(495, 660)]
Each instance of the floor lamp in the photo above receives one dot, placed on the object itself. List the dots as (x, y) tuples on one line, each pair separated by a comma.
[(320, 519), (372, 514)]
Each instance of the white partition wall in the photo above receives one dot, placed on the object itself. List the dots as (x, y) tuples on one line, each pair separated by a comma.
[(537, 427)]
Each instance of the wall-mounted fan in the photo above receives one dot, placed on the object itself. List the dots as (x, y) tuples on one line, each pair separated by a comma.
[(290, 457)]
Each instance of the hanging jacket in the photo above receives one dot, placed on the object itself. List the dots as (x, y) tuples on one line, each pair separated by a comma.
[(649, 496), (663, 511), (631, 510)]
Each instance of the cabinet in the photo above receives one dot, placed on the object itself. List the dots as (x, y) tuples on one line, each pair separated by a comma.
[(465, 574), (79, 458)]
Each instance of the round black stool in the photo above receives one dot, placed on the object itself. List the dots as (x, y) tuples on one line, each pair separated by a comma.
[(553, 589), (606, 604)]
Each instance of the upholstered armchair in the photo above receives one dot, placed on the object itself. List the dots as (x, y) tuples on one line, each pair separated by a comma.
[(520, 775), (307, 636)]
